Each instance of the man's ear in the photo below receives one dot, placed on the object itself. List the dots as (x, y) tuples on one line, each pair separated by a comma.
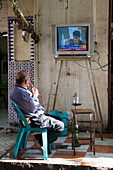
[(26, 82)]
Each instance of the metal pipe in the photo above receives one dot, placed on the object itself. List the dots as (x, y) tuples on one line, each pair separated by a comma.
[(109, 69)]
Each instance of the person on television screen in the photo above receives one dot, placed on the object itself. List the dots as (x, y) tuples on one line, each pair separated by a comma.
[(76, 38), (29, 104)]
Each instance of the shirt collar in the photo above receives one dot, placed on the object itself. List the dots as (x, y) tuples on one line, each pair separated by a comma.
[(20, 86)]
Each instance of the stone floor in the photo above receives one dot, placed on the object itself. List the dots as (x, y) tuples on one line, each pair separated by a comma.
[(7, 141), (62, 154), (3, 117)]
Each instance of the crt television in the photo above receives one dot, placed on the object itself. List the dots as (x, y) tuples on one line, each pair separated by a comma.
[(73, 40)]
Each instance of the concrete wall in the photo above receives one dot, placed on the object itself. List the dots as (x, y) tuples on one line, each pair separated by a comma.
[(3, 17), (74, 77)]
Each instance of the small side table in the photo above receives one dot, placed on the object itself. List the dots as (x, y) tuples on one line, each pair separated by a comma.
[(92, 127)]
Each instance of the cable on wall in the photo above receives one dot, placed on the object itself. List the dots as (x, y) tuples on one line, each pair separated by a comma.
[(97, 62)]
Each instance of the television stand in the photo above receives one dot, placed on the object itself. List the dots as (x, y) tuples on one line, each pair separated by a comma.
[(93, 91)]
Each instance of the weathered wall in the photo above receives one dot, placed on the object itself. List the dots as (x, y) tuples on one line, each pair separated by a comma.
[(25, 6), (74, 77), (3, 17)]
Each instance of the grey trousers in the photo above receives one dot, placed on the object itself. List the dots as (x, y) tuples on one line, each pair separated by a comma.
[(53, 124)]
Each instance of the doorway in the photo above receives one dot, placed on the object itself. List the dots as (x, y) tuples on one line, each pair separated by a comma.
[(3, 80)]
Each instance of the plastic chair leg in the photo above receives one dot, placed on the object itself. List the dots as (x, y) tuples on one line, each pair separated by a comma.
[(18, 135), (26, 138), (18, 142), (44, 139), (24, 141)]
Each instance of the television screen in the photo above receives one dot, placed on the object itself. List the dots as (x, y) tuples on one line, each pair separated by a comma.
[(72, 41), (73, 38)]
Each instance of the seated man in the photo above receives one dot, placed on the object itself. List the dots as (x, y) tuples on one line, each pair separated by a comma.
[(29, 104)]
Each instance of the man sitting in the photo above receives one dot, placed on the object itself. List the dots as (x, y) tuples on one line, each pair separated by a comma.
[(28, 103)]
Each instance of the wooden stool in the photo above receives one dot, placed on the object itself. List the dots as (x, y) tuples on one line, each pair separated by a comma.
[(92, 128)]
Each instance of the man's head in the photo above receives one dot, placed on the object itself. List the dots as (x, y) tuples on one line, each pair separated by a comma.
[(76, 36), (23, 78)]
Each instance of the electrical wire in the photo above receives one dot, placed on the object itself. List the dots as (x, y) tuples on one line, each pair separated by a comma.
[(97, 62), (92, 69)]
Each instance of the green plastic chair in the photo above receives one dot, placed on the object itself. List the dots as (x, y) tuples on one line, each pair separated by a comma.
[(23, 134)]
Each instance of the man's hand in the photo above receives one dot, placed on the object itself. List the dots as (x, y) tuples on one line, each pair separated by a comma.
[(35, 91)]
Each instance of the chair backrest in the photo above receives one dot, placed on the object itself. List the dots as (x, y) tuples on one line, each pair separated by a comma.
[(20, 114)]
